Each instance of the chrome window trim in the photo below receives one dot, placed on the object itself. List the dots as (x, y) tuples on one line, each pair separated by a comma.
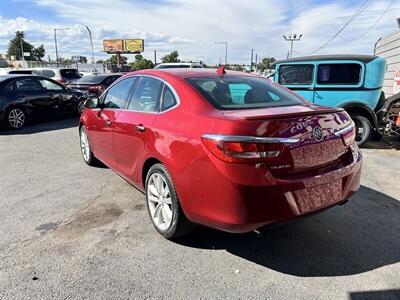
[(250, 139)]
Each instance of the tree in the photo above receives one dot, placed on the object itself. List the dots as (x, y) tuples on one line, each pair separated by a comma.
[(114, 60), (171, 58), (141, 63), (266, 63), (100, 61), (83, 59), (14, 48)]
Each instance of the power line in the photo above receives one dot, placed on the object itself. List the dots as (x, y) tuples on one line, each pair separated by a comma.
[(372, 26), (343, 27)]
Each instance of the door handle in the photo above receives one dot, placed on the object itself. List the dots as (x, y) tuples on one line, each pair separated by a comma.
[(140, 128), (108, 123)]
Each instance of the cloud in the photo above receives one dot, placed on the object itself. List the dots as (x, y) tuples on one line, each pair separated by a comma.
[(191, 27)]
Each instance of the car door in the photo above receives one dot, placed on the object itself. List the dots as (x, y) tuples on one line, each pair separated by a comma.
[(101, 122), (299, 78), (54, 93), (338, 83), (30, 92), (133, 126)]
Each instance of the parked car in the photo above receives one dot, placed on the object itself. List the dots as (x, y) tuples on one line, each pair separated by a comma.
[(231, 150), (179, 65), (94, 84), (23, 97), (353, 82), (61, 75)]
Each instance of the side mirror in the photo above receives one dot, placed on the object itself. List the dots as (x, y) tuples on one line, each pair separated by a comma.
[(93, 103)]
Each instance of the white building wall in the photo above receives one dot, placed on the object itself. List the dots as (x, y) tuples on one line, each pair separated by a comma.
[(389, 48)]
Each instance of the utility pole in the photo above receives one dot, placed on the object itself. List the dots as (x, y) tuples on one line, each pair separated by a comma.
[(155, 57), (22, 49), (256, 62), (55, 42), (251, 60), (292, 38), (91, 45), (226, 51)]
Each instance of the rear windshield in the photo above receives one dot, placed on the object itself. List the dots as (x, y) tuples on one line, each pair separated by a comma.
[(70, 73), (93, 79), (238, 92)]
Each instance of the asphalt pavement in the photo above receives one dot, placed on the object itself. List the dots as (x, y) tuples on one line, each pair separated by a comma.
[(69, 231)]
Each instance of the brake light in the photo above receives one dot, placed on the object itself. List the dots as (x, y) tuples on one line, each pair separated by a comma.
[(96, 88), (244, 149), (348, 134)]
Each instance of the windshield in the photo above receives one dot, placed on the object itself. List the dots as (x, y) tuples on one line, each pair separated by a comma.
[(238, 92), (70, 73)]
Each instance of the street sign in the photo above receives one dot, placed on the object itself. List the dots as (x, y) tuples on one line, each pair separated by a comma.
[(27, 54)]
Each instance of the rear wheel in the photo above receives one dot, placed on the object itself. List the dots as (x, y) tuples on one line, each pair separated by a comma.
[(363, 128), (16, 118), (163, 204)]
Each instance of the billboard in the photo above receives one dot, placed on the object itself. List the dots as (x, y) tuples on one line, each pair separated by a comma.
[(134, 45), (123, 46), (113, 46)]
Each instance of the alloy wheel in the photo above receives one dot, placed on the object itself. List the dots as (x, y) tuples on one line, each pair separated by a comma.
[(16, 118), (159, 201), (85, 147)]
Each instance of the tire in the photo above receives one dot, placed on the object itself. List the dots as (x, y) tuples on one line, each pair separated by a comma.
[(165, 211), (363, 129), (80, 106), (16, 118), (86, 151)]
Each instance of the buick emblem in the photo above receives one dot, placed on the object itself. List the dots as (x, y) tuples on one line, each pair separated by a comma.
[(317, 133)]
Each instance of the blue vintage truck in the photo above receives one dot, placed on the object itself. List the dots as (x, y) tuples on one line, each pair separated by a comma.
[(353, 82)]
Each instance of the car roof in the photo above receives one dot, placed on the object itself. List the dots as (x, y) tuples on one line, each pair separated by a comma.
[(187, 73), (361, 57)]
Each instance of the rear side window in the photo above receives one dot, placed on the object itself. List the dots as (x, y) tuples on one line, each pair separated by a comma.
[(241, 92), (27, 85), (168, 98), (70, 73), (339, 74), (146, 95), (296, 74), (118, 94)]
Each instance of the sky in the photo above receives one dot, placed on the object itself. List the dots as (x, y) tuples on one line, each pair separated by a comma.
[(192, 27)]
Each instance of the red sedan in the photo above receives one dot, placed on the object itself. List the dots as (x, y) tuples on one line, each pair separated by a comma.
[(227, 150)]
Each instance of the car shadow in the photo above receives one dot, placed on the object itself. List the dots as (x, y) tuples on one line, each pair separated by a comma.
[(41, 126), (385, 143), (375, 295), (362, 235)]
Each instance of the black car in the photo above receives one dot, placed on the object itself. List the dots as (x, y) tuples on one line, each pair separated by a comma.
[(24, 97), (94, 84)]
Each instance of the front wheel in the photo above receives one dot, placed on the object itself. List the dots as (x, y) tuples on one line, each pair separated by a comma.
[(363, 129), (86, 150), (163, 204)]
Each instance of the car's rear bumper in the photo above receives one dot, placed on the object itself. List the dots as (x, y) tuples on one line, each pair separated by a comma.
[(241, 208)]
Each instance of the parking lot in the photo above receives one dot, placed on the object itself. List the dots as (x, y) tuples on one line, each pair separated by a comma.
[(69, 231)]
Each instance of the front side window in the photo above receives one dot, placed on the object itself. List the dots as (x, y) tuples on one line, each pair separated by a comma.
[(49, 85), (339, 74), (241, 92), (118, 94), (296, 74), (146, 95)]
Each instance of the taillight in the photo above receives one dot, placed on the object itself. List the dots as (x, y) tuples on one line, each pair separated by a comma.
[(348, 134), (398, 120), (244, 149), (96, 88)]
